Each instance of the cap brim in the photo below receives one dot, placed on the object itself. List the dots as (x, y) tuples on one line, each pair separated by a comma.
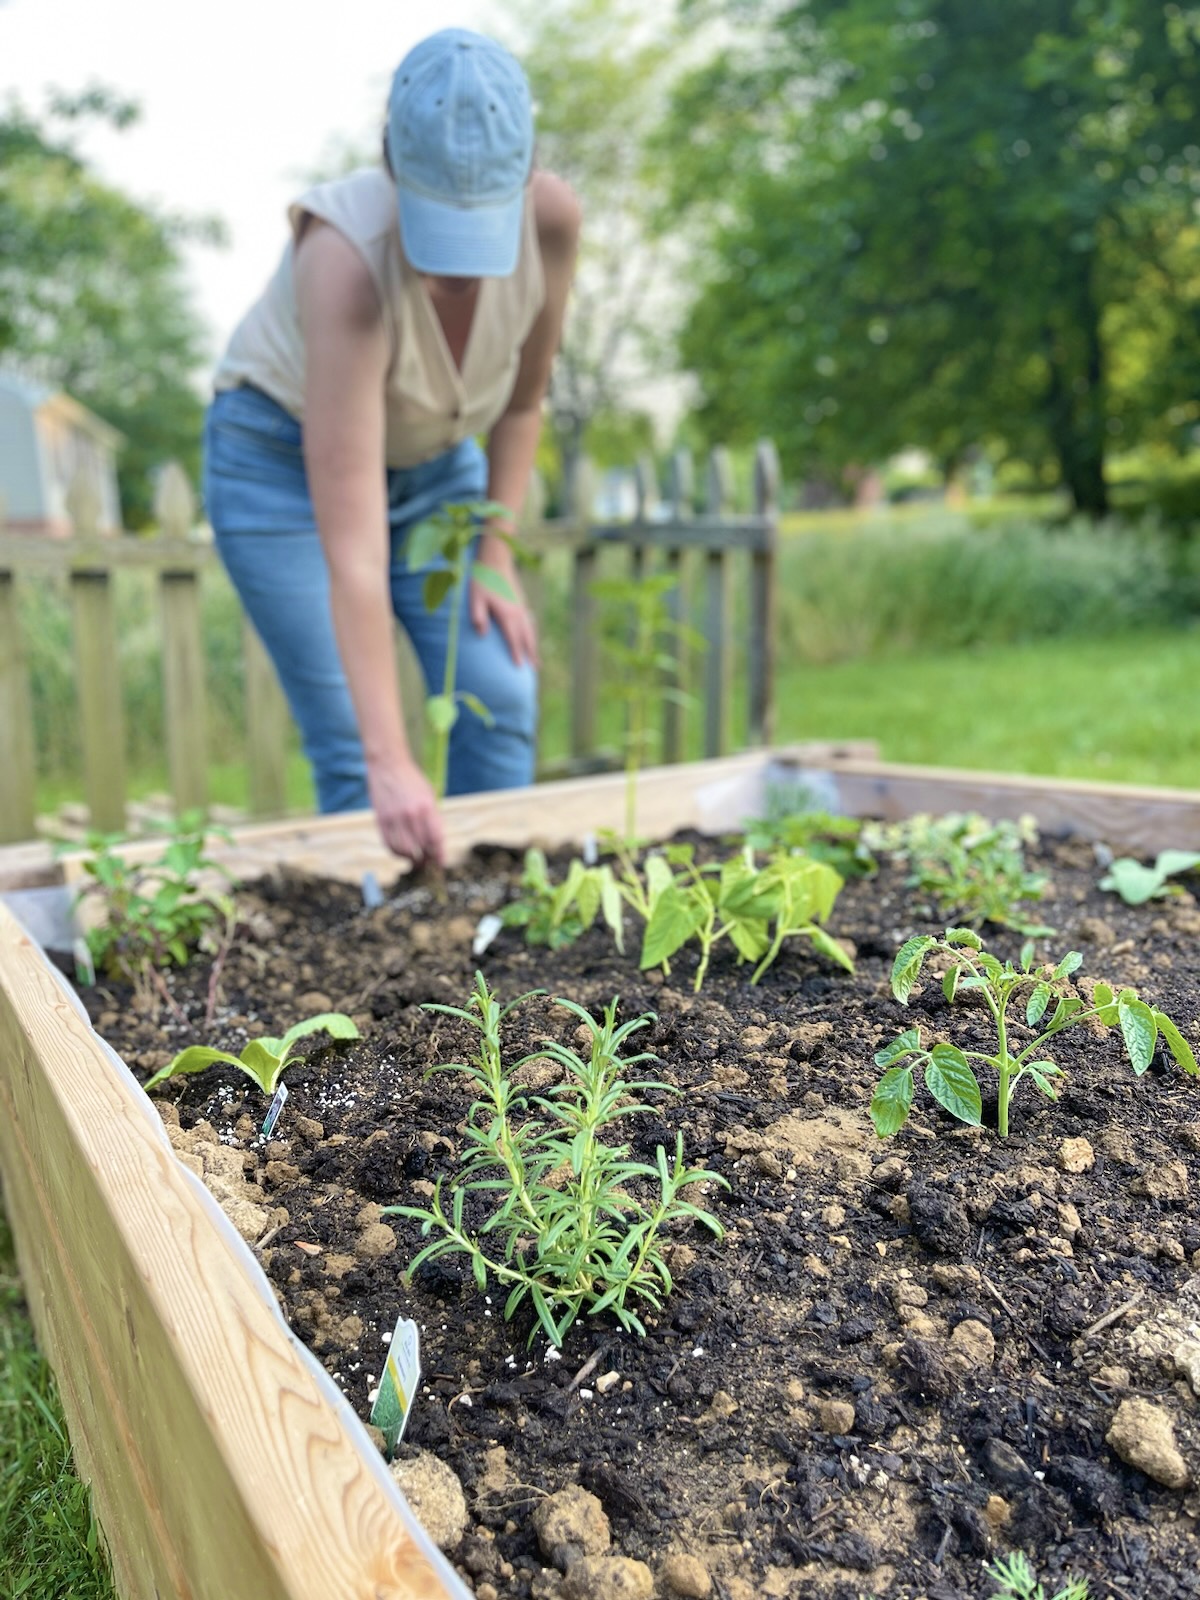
[(461, 241)]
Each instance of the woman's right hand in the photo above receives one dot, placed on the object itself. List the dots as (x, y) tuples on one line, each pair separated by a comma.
[(406, 810)]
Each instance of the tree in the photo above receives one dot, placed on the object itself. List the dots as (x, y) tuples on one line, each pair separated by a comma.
[(92, 293), (947, 223), (599, 72)]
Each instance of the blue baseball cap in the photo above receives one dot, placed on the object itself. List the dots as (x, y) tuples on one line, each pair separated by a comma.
[(460, 143)]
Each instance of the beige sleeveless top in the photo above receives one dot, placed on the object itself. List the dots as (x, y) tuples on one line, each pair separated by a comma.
[(431, 406)]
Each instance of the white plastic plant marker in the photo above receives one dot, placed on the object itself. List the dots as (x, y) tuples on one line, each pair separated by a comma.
[(398, 1384), (372, 894), (85, 967), (590, 850), (489, 926), (272, 1116)]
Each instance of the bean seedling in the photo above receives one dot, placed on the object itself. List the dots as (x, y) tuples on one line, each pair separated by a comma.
[(949, 1075), (569, 1235), (1136, 883), (448, 536), (263, 1059)]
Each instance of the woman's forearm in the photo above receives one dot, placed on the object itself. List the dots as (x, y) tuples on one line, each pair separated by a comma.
[(362, 621)]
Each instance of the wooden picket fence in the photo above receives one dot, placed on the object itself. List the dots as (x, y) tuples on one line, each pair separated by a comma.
[(675, 537)]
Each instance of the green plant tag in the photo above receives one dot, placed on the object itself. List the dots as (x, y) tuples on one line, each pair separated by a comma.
[(276, 1106), (398, 1385)]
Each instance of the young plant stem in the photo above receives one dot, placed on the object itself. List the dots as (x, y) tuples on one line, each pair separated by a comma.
[(441, 738), (1003, 1067)]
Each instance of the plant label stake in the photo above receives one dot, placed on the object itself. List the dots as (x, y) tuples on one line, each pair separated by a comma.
[(272, 1116), (85, 967), (488, 927), (398, 1386), (372, 894), (591, 850)]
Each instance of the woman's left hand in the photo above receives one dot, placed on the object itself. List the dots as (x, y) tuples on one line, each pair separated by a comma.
[(513, 617)]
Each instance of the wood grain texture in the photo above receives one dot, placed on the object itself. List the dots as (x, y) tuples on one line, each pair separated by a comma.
[(185, 706), (99, 687), (223, 1464)]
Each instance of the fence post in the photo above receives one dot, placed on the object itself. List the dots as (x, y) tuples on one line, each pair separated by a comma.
[(184, 703), (763, 563), (266, 728), (17, 777), (96, 667), (584, 642), (716, 613), (683, 485)]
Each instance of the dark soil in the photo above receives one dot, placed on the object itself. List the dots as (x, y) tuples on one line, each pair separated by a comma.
[(883, 1376)]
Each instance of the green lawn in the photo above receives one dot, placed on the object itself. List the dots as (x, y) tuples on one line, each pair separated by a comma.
[(49, 1544), (1121, 709)]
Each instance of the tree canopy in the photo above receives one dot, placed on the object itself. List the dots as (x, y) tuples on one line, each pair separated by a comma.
[(946, 223), (92, 291)]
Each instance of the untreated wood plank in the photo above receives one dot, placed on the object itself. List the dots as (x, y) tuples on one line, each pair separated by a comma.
[(100, 714), (1122, 815), (224, 1465), (266, 729), (185, 706), (17, 770)]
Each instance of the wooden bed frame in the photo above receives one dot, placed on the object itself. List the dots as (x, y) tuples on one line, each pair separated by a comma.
[(224, 1463)]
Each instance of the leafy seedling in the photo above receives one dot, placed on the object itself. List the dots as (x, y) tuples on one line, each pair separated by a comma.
[(949, 1075), (973, 870), (755, 908), (835, 840), (642, 644), (449, 536), (263, 1059), (557, 914), (569, 1230), (1136, 883), (1018, 1581)]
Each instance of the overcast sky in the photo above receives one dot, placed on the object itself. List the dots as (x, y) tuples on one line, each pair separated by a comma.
[(239, 99)]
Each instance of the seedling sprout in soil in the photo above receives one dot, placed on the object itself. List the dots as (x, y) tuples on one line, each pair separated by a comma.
[(1019, 1581), (643, 668), (557, 914), (570, 1237), (263, 1059), (449, 536), (156, 913), (949, 1076), (1136, 883), (974, 870)]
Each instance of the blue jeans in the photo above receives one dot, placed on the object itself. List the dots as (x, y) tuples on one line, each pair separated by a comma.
[(266, 533)]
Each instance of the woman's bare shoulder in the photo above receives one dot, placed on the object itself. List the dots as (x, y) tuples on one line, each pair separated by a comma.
[(557, 210)]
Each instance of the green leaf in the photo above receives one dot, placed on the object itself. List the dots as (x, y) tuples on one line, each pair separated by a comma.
[(952, 1084), (194, 1059), (335, 1023), (829, 946), (907, 1042), (425, 543), (1102, 997), (263, 1065), (610, 903), (442, 711), (475, 704), (494, 582), (436, 587), (1171, 862), (1035, 1010), (1027, 954), (892, 1101), (1139, 1030), (673, 920), (1034, 1069), (966, 936), (906, 968), (1177, 1044), (1070, 963), (950, 982)]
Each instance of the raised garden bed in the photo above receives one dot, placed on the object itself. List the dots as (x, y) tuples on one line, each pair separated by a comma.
[(902, 1358)]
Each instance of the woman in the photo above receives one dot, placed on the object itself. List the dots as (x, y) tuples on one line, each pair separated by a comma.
[(414, 308)]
